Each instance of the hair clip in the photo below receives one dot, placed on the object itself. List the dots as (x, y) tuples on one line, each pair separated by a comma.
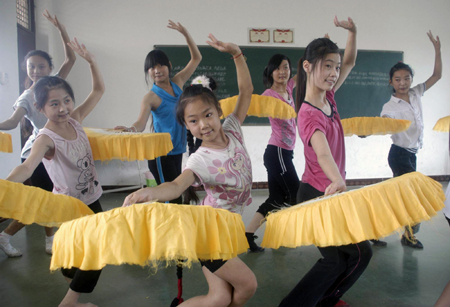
[(201, 80)]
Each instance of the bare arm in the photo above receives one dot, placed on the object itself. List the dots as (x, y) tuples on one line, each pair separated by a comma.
[(14, 120), (349, 60), (70, 59), (437, 72), (98, 87), (148, 102), (243, 76), (24, 171), (327, 163), (164, 192), (181, 77)]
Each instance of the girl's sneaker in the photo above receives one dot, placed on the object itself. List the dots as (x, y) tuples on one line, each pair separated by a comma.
[(10, 250)]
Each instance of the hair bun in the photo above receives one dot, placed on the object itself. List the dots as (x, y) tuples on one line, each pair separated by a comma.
[(205, 81)]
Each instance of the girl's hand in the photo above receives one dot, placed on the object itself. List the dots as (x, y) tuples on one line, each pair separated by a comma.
[(348, 25), (436, 42), (326, 36), (53, 20), (81, 50), (230, 48), (177, 26), (140, 196), (126, 129), (336, 186)]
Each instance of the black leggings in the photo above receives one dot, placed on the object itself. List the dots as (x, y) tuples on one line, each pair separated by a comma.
[(40, 178), (84, 281), (166, 169), (332, 275)]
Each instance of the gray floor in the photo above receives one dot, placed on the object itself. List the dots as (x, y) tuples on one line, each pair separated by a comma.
[(397, 275)]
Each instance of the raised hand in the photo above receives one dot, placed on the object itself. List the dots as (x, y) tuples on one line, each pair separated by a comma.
[(326, 36), (345, 24), (436, 42), (177, 26), (230, 48), (81, 50), (54, 20)]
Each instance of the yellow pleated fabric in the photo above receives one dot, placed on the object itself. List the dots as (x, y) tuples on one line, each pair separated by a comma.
[(147, 234), (108, 144), (367, 213), (5, 142), (365, 126), (443, 124), (31, 205), (261, 106)]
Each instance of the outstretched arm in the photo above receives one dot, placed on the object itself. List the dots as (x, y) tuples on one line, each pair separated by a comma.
[(14, 120), (24, 171), (349, 60), (164, 192), (98, 87), (181, 77), (437, 72), (243, 75), (65, 68)]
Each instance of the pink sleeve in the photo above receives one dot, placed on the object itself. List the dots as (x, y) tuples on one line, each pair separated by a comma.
[(308, 122), (290, 86)]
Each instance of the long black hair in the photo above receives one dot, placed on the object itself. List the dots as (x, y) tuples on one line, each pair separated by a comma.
[(315, 52), (274, 63), (154, 58)]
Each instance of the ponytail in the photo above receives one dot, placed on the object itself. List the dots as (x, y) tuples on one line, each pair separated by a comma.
[(301, 85)]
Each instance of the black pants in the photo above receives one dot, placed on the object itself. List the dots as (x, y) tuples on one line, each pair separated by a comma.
[(402, 162), (166, 169), (282, 178), (40, 178), (84, 281), (331, 276)]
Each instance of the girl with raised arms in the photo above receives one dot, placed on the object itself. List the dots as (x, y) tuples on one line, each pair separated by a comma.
[(63, 147), (38, 64), (222, 165), (161, 102), (320, 74)]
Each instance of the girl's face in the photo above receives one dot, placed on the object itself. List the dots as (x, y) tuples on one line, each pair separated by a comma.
[(159, 73), (58, 106), (326, 72), (401, 81), (282, 73), (203, 120), (37, 67)]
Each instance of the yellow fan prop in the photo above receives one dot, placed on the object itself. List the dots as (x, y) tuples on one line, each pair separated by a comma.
[(261, 106), (34, 205), (443, 124), (109, 144), (148, 234), (5, 142), (364, 126), (367, 213)]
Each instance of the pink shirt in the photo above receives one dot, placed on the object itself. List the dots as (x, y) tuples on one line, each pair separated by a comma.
[(283, 130), (226, 174), (72, 169), (311, 119)]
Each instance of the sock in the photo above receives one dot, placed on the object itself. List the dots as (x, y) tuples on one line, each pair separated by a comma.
[(4, 237)]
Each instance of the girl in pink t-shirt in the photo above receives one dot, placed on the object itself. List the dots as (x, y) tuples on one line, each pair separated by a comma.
[(222, 166), (65, 149), (320, 74), (281, 174)]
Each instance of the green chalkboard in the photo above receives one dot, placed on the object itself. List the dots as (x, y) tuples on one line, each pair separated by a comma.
[(363, 93)]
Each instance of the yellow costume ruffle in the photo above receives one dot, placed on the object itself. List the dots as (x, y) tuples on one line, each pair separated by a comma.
[(108, 144), (148, 234), (443, 124), (261, 106), (364, 126), (5, 142), (34, 205), (367, 213)]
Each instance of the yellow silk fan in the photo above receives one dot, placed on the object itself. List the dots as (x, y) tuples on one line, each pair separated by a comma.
[(351, 217), (34, 205), (443, 124), (261, 106), (365, 126), (148, 234), (5, 142), (108, 144)]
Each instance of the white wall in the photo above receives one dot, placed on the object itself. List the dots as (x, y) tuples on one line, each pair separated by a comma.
[(10, 90), (121, 33)]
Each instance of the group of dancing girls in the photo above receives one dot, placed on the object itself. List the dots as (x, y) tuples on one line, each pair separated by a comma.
[(221, 164)]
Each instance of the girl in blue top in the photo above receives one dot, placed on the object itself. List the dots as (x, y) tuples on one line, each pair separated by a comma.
[(161, 102)]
